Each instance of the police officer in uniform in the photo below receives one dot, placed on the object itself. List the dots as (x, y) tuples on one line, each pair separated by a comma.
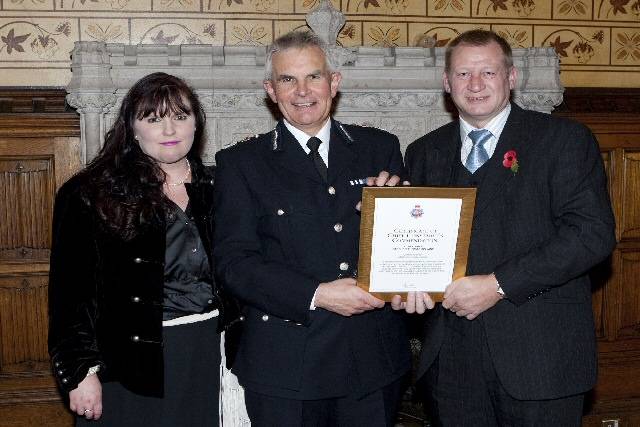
[(316, 349)]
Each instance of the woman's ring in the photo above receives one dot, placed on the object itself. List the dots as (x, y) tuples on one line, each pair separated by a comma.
[(88, 410)]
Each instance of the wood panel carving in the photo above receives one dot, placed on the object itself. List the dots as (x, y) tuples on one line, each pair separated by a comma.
[(37, 154), (630, 309), (23, 324), (601, 274), (25, 228), (630, 219)]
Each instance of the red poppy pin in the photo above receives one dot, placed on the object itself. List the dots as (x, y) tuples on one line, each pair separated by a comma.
[(511, 161)]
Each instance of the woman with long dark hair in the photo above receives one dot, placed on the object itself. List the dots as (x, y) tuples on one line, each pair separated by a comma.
[(134, 308)]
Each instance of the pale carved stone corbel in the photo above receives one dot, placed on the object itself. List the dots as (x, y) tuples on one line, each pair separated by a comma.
[(326, 22), (92, 93)]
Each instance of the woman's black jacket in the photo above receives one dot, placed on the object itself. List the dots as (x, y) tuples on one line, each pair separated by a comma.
[(106, 294)]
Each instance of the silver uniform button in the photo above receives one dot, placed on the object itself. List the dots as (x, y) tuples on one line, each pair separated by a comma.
[(265, 317), (194, 250), (137, 260), (338, 227), (344, 266), (331, 190), (135, 299), (135, 338), (280, 212), (65, 380)]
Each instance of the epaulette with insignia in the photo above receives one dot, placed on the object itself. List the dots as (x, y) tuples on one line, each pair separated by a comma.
[(250, 137), (246, 139), (371, 126)]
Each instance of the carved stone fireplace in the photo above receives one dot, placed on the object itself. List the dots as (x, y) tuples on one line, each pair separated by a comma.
[(397, 89)]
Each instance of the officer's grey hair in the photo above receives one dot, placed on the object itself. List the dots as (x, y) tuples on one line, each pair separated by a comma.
[(296, 40)]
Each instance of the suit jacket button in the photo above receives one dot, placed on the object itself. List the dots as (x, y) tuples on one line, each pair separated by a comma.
[(331, 190), (137, 260), (241, 318), (65, 380), (265, 317), (60, 372), (135, 299), (280, 212), (135, 338), (338, 227), (344, 266)]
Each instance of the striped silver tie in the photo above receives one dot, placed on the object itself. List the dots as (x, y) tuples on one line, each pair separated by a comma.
[(478, 154)]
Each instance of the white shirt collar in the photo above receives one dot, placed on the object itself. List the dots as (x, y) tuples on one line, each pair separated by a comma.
[(324, 134), (495, 126)]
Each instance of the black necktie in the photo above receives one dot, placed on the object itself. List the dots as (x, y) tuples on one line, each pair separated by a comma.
[(313, 143)]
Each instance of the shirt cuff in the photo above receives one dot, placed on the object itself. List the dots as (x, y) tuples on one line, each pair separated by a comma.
[(312, 306)]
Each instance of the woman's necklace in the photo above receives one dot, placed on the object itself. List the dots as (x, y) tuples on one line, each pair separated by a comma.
[(183, 180)]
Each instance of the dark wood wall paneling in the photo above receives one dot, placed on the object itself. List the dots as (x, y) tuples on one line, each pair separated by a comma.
[(614, 117), (40, 149)]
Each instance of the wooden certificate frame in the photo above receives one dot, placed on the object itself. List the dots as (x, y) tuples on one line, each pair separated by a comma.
[(369, 196)]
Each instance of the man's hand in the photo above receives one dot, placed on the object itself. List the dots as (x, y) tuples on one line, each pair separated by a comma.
[(417, 302), (342, 296), (384, 179), (469, 296), (86, 399)]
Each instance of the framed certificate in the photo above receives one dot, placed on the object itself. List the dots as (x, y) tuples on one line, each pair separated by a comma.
[(413, 239)]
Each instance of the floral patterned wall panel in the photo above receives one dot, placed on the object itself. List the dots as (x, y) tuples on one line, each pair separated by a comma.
[(598, 41)]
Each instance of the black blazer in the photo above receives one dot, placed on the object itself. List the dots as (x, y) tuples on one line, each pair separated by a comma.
[(539, 230), (106, 294), (280, 231)]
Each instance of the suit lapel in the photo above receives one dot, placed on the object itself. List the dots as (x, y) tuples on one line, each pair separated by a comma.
[(442, 158), (289, 155), (341, 154), (497, 176), (200, 193)]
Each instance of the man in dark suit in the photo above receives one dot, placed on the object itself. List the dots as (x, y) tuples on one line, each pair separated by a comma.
[(316, 349), (513, 342)]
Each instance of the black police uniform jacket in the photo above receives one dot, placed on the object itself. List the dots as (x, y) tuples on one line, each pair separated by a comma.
[(106, 294), (280, 231)]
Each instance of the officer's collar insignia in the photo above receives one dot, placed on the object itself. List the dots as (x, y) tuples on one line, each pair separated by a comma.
[(275, 135), (344, 131), (274, 139)]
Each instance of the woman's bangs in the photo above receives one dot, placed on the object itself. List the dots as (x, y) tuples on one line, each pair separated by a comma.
[(165, 100)]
